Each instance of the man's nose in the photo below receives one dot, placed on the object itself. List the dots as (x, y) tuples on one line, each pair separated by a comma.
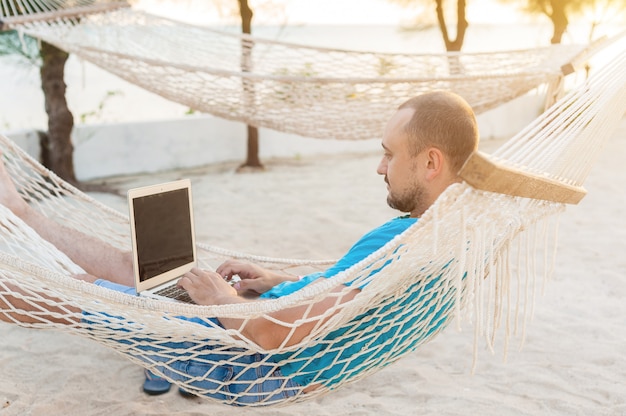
[(382, 167)]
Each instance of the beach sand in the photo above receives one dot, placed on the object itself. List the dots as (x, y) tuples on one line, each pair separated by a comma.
[(572, 361)]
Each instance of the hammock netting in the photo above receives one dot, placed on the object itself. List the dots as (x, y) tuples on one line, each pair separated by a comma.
[(466, 258), (309, 91)]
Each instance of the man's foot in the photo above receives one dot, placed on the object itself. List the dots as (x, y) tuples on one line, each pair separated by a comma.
[(186, 393), (155, 385), (9, 197)]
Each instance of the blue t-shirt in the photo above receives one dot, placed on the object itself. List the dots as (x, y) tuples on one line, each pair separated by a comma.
[(368, 244), (341, 353), (346, 357)]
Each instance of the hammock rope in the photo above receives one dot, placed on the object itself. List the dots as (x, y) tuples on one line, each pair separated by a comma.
[(464, 258), (310, 91)]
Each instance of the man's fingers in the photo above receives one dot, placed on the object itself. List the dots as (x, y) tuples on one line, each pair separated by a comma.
[(196, 271), (252, 285), (226, 270), (182, 281), (243, 285), (231, 268)]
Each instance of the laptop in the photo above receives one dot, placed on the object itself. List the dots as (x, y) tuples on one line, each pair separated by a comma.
[(163, 238)]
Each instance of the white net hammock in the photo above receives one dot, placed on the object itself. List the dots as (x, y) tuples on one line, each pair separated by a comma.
[(466, 258), (313, 92)]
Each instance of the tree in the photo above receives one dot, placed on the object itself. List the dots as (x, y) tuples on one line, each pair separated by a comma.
[(252, 157), (57, 148), (56, 144), (557, 11), (226, 9), (452, 45), (560, 11), (604, 11), (461, 25)]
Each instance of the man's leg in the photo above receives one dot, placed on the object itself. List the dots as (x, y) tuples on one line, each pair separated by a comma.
[(95, 256), (14, 309)]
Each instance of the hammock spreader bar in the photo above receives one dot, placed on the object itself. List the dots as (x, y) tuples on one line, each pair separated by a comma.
[(483, 173)]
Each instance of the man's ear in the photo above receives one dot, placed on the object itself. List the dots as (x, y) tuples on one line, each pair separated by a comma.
[(435, 163)]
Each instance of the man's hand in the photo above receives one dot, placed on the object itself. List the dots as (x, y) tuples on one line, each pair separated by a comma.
[(207, 288), (254, 278), (275, 330)]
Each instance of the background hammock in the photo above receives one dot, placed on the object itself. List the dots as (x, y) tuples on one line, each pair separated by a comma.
[(436, 269), (313, 92)]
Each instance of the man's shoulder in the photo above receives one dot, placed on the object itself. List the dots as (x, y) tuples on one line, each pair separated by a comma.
[(403, 221), (390, 228)]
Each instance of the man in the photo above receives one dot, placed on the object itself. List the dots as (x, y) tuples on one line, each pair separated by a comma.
[(425, 144)]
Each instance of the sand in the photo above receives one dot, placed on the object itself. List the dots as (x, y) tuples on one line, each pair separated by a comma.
[(572, 362)]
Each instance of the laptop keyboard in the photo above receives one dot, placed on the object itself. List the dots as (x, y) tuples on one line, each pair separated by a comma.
[(175, 292)]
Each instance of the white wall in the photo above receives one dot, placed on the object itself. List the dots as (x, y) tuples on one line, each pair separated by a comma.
[(132, 148)]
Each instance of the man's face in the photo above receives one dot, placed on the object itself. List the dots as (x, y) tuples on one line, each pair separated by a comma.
[(401, 170)]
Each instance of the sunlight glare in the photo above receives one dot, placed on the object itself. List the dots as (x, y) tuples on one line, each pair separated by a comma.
[(343, 12)]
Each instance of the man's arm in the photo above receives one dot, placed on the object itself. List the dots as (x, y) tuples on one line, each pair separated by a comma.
[(209, 288)]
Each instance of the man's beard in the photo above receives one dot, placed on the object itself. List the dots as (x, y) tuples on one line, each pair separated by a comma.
[(408, 200)]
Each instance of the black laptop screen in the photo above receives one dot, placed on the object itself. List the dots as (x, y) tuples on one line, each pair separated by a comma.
[(163, 232)]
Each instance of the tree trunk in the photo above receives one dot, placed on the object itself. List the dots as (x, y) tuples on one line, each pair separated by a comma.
[(57, 152), (461, 25), (559, 20), (252, 158), (246, 16)]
